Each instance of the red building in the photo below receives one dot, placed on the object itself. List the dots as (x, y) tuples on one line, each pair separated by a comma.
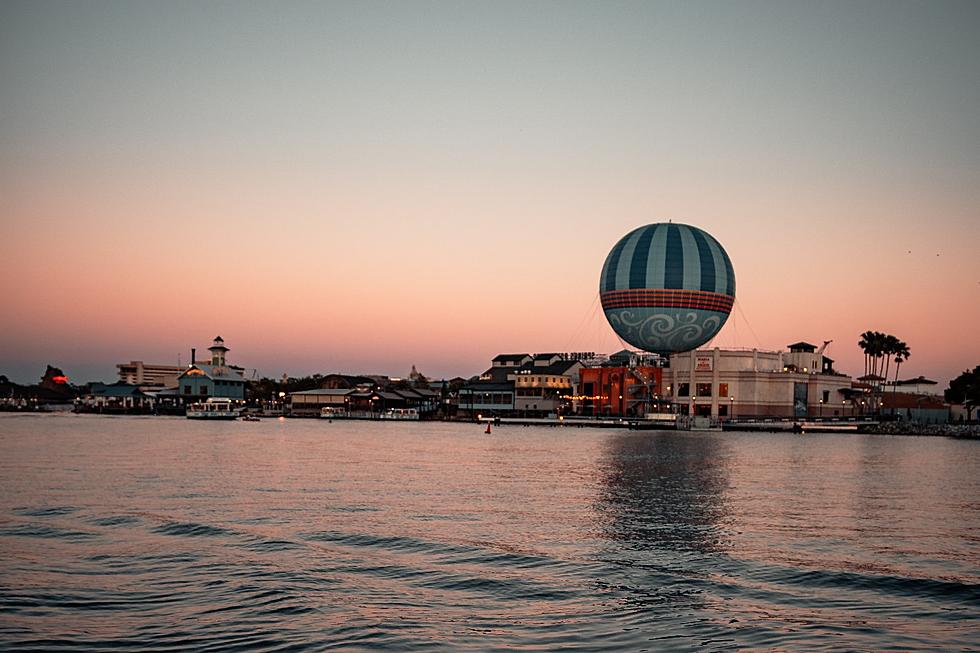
[(621, 391)]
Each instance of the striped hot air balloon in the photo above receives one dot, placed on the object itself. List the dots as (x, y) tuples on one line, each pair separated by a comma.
[(667, 287)]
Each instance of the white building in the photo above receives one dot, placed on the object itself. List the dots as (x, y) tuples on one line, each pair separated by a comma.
[(733, 383), (149, 374)]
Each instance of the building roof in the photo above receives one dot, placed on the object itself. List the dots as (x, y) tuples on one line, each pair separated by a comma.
[(802, 346), (118, 390), (919, 380), (561, 367), (482, 386), (324, 392), (503, 358), (622, 354), (406, 393), (215, 372)]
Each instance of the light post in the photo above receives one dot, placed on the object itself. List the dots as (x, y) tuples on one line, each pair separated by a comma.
[(694, 406), (821, 409), (731, 411)]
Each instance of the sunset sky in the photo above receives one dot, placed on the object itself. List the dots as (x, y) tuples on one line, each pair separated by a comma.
[(359, 187)]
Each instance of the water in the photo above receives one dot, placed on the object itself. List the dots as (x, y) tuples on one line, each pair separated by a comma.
[(133, 534)]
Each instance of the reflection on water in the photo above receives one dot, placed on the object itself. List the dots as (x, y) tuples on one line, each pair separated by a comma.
[(149, 534), (666, 492)]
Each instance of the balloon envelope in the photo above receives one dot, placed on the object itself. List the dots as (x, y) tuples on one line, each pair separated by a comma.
[(667, 287)]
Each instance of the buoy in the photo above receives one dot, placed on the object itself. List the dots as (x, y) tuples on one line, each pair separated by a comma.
[(488, 428)]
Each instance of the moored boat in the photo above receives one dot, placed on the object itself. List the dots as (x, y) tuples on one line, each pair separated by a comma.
[(213, 408), (400, 414)]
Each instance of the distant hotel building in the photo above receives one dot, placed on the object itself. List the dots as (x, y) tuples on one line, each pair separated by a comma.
[(144, 375)]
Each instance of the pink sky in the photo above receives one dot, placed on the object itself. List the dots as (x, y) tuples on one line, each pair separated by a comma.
[(430, 198)]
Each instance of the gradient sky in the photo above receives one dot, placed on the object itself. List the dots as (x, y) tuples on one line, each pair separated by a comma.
[(364, 186)]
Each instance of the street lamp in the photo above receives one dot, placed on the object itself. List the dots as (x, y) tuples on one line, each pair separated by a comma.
[(731, 411), (821, 409)]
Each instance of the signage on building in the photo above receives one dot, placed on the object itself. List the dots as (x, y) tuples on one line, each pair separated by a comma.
[(703, 364)]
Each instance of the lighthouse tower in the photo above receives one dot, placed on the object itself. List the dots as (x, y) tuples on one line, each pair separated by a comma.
[(218, 351)]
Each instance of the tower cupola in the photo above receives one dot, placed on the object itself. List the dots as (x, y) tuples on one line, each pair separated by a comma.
[(218, 351)]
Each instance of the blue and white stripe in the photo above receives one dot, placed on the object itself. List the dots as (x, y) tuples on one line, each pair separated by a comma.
[(669, 256)]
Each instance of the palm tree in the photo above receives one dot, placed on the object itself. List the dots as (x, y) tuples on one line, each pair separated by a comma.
[(865, 343), (902, 354), (889, 347)]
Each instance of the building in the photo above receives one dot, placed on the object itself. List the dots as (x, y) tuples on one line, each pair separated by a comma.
[(524, 385), (486, 398), (310, 403), (214, 379), (913, 407), (545, 385), (116, 398), (615, 390), (149, 375), (920, 385), (735, 383)]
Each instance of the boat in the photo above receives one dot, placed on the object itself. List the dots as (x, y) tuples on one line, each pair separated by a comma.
[(400, 414), (250, 418), (213, 408)]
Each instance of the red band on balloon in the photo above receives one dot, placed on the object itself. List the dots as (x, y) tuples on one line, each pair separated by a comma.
[(647, 298)]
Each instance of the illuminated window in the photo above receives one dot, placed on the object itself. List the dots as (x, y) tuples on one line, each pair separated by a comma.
[(722, 389)]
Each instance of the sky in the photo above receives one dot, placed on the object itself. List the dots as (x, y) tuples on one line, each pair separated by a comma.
[(360, 187)]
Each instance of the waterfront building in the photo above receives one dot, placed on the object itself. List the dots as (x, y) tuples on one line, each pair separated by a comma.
[(914, 407), (736, 383), (116, 398), (486, 398), (920, 385), (621, 390), (423, 400), (214, 379), (621, 384), (524, 385), (149, 375), (310, 403), (545, 386)]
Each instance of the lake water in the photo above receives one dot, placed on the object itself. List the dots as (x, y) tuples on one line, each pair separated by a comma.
[(128, 534)]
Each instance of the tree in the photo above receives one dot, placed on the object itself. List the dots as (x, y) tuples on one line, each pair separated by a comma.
[(965, 389), (865, 344), (891, 347), (902, 354)]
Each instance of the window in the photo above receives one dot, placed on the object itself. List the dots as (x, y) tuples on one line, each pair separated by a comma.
[(723, 390), (703, 390), (826, 396), (187, 389), (204, 390), (683, 389)]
